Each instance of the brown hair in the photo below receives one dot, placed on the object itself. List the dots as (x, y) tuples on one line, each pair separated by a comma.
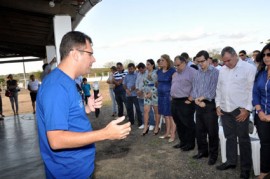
[(168, 60)]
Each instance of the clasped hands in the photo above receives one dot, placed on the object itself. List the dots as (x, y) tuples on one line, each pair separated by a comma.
[(199, 102)]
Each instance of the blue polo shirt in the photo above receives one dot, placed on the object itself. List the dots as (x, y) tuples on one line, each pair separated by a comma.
[(60, 107)]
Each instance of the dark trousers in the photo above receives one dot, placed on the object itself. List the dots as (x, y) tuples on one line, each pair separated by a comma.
[(207, 124), (133, 100), (264, 135), (183, 116), (1, 105), (86, 99), (121, 100), (232, 130)]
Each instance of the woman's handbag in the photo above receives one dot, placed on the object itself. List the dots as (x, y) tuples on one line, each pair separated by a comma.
[(8, 93)]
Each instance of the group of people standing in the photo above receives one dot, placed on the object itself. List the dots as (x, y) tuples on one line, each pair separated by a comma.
[(208, 91)]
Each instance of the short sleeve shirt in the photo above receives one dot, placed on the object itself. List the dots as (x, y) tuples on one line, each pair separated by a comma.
[(60, 107)]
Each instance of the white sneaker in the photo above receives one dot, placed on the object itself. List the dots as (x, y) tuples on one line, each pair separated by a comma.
[(151, 127), (141, 127)]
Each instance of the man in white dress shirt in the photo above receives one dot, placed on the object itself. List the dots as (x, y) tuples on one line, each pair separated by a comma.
[(233, 101), (33, 86)]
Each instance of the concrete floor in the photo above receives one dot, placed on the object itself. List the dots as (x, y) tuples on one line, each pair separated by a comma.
[(19, 149)]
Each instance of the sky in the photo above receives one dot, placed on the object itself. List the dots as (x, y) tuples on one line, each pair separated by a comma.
[(141, 29)]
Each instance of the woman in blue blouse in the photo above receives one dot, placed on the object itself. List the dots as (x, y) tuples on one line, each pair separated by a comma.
[(261, 101)]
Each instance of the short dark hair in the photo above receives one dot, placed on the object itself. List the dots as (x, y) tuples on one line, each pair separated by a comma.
[(44, 66), (131, 65), (84, 79), (113, 68), (141, 65), (73, 39), (181, 58), (229, 50), (185, 55), (119, 64), (256, 51), (243, 51), (215, 60), (203, 53)]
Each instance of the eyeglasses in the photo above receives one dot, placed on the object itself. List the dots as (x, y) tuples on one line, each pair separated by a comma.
[(266, 54), (201, 61), (90, 53), (177, 65), (241, 55)]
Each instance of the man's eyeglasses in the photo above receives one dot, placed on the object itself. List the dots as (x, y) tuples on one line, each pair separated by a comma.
[(241, 55), (201, 61), (90, 53), (266, 54), (177, 65)]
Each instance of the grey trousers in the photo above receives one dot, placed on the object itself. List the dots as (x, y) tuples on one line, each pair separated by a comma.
[(232, 130)]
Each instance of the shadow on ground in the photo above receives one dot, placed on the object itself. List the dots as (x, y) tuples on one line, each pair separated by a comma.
[(148, 157)]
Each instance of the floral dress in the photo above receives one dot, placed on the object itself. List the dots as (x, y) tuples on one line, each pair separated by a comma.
[(149, 86)]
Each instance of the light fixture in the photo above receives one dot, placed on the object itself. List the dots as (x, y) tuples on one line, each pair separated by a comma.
[(51, 3)]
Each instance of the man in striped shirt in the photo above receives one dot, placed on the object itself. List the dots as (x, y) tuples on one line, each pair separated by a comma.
[(119, 91), (203, 93)]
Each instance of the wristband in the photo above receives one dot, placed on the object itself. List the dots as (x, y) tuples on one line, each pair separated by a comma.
[(258, 111)]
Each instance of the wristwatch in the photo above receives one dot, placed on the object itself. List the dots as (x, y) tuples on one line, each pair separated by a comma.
[(258, 111)]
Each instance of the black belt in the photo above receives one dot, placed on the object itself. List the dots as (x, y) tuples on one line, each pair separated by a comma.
[(208, 102), (180, 99)]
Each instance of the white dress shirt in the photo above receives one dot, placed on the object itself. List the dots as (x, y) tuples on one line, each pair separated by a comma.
[(234, 88)]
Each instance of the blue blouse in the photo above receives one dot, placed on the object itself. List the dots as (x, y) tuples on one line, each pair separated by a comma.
[(261, 92)]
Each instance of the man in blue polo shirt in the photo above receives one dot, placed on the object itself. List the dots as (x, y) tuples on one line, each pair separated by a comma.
[(66, 137)]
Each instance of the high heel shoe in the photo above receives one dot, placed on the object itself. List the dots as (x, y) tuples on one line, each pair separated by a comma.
[(144, 133), (171, 140), (156, 133), (165, 136)]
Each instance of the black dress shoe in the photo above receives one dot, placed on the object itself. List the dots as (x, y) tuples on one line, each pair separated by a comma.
[(225, 166), (179, 146), (212, 161), (245, 174), (200, 155), (188, 147)]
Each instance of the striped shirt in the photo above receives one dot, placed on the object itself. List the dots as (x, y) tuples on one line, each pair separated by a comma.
[(117, 77), (205, 83), (182, 83)]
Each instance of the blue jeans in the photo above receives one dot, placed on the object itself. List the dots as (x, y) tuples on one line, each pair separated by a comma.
[(14, 99), (114, 105), (151, 113)]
